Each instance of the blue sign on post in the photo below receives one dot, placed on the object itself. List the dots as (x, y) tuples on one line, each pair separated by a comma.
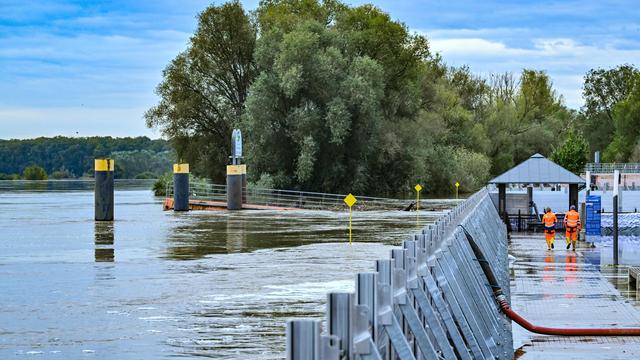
[(593, 213)]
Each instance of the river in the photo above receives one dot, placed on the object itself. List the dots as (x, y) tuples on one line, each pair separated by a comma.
[(157, 284)]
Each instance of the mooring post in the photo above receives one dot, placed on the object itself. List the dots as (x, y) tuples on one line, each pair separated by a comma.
[(104, 189), (236, 173), (180, 187), (616, 189)]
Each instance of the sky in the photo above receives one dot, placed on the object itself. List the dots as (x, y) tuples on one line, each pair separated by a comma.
[(84, 68)]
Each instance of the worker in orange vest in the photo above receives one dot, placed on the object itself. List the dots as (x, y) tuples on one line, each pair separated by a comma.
[(572, 225), (549, 219)]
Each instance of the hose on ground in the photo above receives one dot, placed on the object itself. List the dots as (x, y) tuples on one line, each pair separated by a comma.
[(506, 308)]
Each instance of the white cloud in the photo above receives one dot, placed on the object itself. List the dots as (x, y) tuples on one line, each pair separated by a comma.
[(565, 60)]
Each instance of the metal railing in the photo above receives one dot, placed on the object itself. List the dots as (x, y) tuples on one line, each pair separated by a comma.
[(206, 191), (430, 300), (606, 168)]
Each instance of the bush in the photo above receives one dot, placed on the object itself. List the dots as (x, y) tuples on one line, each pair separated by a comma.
[(34, 172), (160, 186), (146, 175), (472, 170), (4, 176), (61, 174)]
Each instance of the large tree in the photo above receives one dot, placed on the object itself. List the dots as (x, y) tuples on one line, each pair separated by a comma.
[(203, 92), (324, 110), (603, 89), (626, 118)]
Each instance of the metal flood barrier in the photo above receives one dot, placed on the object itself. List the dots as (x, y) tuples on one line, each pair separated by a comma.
[(430, 300)]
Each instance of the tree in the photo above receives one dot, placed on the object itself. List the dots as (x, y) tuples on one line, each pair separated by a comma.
[(335, 85), (626, 118), (65, 157), (203, 91), (603, 89), (34, 172), (573, 153)]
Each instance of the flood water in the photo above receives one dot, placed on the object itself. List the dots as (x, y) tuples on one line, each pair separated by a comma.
[(157, 284)]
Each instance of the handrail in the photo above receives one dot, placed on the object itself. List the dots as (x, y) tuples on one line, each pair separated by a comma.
[(207, 191), (606, 168)]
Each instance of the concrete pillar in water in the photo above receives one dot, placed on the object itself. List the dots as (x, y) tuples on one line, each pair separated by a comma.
[(104, 189), (616, 189), (234, 186), (181, 187)]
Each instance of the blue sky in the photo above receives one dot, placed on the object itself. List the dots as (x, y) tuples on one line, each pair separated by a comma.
[(91, 66)]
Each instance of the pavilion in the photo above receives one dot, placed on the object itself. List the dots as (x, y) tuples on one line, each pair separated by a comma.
[(535, 171)]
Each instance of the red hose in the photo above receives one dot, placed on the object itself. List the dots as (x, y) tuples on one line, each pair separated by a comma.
[(566, 332)]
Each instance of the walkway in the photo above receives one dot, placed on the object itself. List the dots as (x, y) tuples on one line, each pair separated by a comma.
[(561, 288)]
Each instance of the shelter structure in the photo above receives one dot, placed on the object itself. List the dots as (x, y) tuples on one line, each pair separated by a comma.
[(537, 170)]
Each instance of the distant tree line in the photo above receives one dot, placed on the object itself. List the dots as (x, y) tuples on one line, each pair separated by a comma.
[(64, 157), (337, 98)]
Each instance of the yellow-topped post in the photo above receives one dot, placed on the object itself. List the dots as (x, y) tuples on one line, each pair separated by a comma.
[(350, 200), (104, 189), (457, 186), (181, 187), (418, 188), (236, 174)]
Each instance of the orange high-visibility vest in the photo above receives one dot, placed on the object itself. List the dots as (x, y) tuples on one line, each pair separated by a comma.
[(549, 219), (572, 219)]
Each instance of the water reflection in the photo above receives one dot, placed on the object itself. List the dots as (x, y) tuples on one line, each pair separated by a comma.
[(104, 251), (198, 235), (549, 267), (236, 236)]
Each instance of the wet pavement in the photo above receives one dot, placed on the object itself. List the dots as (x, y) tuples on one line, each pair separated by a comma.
[(563, 288)]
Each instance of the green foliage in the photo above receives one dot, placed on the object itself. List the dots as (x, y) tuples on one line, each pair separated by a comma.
[(204, 88), (66, 157), (160, 186), (130, 164), (342, 98), (4, 176), (603, 89), (62, 173), (573, 153), (626, 119), (34, 172)]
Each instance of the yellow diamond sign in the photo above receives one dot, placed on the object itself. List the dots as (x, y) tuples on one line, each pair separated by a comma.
[(457, 184), (418, 187), (350, 200)]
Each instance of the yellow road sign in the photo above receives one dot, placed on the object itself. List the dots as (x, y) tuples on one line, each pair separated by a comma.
[(457, 184), (350, 200), (418, 187)]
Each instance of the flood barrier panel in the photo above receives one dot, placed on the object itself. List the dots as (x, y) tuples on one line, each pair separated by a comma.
[(429, 300)]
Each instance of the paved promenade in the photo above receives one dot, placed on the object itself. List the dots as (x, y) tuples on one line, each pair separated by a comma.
[(560, 288)]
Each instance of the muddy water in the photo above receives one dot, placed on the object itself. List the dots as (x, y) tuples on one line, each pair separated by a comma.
[(157, 284)]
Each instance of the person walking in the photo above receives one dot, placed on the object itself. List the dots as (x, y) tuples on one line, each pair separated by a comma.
[(549, 220), (572, 225)]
